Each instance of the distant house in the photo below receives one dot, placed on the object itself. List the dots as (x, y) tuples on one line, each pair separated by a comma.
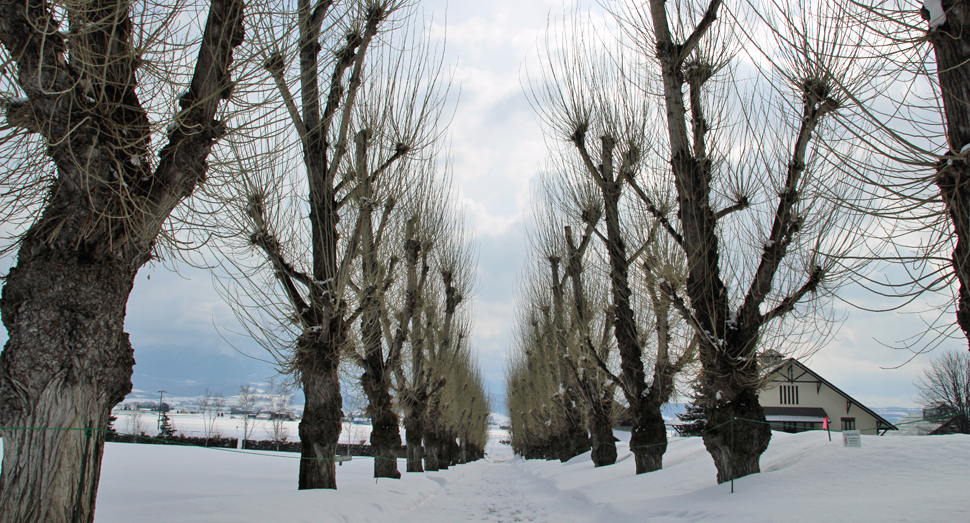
[(797, 399)]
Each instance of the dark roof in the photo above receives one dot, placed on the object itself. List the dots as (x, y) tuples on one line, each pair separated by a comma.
[(879, 419), (815, 412)]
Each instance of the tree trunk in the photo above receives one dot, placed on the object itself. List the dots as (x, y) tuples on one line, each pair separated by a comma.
[(601, 434), (385, 437), (454, 450), (444, 450), (414, 434), (952, 53), (320, 428), (432, 450), (735, 443), (577, 442), (66, 364), (648, 442), (575, 436)]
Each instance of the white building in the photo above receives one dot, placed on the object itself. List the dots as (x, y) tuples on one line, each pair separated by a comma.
[(796, 399)]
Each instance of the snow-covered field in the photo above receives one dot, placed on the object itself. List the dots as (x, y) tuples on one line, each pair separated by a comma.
[(136, 422), (805, 478)]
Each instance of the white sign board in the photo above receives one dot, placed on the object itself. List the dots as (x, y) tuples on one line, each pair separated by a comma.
[(851, 438)]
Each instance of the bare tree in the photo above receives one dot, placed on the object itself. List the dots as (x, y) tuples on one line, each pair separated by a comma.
[(945, 386), (210, 407), (82, 82), (419, 237), (134, 424), (280, 398), (446, 333), (532, 382), (586, 94), (558, 321), (246, 402), (787, 246), (569, 323), (402, 106), (307, 263)]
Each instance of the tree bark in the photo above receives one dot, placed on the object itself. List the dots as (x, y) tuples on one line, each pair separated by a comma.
[(601, 434), (737, 435), (414, 434), (320, 426), (647, 442), (432, 451), (386, 434), (952, 51), (385, 438), (66, 363), (575, 435), (648, 438)]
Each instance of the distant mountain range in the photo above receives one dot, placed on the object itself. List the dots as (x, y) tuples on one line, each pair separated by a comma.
[(894, 414)]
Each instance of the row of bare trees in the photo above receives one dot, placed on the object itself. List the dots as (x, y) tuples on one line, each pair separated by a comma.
[(568, 359), (343, 246), (319, 151), (697, 157), (757, 140)]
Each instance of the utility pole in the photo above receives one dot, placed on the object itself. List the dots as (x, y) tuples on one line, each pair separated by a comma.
[(161, 394)]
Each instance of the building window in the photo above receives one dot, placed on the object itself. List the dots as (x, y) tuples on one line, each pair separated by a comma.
[(789, 394), (794, 427), (848, 423)]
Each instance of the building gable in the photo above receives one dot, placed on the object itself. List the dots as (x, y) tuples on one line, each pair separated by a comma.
[(800, 399)]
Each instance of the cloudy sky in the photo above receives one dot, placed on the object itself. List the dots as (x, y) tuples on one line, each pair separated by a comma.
[(185, 337)]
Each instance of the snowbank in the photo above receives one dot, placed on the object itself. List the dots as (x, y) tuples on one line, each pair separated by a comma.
[(805, 478)]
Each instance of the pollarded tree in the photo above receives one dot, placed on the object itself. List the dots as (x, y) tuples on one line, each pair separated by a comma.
[(472, 408), (446, 334), (757, 262), (561, 268), (302, 225), (422, 229), (542, 345), (587, 94), (401, 106), (567, 321), (531, 384), (82, 83)]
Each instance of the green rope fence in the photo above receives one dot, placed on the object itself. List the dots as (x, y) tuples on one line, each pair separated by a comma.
[(90, 431), (733, 419)]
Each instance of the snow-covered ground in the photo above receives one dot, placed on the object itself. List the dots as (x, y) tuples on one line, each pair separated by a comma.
[(805, 478)]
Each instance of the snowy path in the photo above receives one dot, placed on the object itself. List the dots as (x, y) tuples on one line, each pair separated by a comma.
[(500, 490)]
